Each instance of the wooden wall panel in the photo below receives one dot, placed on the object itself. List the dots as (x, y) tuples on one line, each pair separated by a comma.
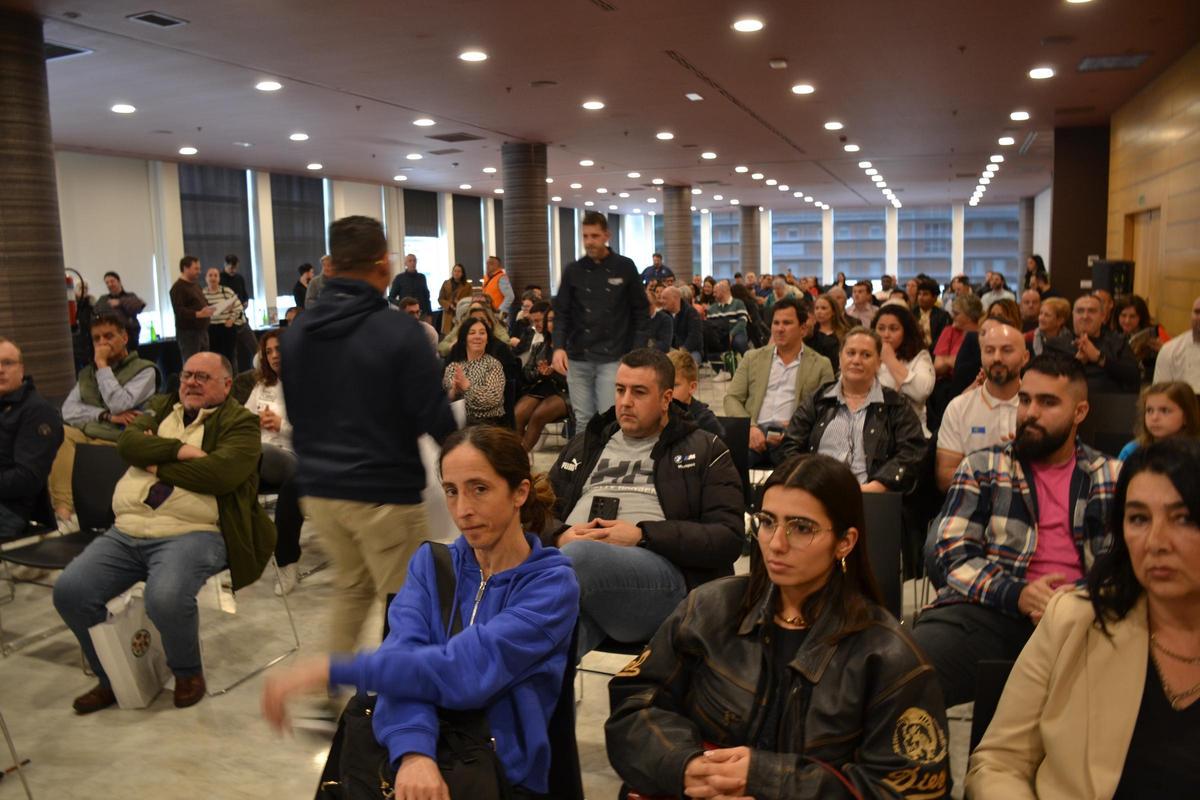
[(1154, 162)]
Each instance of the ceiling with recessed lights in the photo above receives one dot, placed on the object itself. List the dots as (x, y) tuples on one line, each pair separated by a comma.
[(670, 90)]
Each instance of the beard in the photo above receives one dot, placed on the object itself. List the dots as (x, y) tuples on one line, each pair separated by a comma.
[(1000, 374), (1034, 443)]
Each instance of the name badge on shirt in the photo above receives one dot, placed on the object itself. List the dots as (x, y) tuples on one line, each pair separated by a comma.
[(980, 429), (615, 281)]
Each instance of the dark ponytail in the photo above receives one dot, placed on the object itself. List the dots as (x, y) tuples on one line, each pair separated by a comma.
[(506, 455)]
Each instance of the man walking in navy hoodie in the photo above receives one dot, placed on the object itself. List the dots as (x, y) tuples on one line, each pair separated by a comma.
[(361, 386)]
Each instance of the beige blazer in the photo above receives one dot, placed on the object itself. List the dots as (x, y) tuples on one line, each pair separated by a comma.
[(1064, 723), (745, 392)]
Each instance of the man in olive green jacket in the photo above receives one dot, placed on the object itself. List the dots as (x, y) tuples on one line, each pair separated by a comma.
[(771, 381), (186, 509)]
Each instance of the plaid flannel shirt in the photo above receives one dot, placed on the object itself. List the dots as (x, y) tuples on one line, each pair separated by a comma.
[(987, 528)]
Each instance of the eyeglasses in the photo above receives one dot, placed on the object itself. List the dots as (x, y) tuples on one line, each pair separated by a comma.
[(798, 532), (9, 363), (198, 377)]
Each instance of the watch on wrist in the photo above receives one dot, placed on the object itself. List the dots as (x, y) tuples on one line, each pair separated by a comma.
[(105, 416)]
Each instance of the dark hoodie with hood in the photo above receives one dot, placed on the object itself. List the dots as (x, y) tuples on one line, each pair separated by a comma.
[(361, 385), (509, 657)]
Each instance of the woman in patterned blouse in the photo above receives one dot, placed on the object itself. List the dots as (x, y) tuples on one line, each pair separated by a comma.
[(474, 375)]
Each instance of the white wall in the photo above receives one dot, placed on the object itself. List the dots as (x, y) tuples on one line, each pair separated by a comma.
[(350, 198), (1041, 224)]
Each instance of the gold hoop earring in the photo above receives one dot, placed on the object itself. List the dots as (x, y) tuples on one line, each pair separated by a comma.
[(843, 565)]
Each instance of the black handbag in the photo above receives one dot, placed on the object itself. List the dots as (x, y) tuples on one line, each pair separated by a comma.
[(358, 767)]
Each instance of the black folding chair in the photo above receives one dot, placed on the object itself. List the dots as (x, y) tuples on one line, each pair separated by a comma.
[(882, 512), (737, 439), (1110, 421), (94, 478), (989, 685)]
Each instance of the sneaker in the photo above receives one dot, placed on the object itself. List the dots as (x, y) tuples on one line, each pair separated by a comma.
[(722, 377), (68, 524), (289, 576)]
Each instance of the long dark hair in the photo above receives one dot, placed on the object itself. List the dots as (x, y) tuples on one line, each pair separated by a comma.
[(1113, 587), (850, 594), (913, 342), (504, 452), (459, 351), (266, 376)]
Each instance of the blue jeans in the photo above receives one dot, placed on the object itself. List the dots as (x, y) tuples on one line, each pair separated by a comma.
[(624, 592), (592, 386), (174, 569), (739, 343)]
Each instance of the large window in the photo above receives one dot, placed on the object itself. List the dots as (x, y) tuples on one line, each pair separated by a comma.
[(796, 242), (726, 243), (215, 203), (660, 235), (924, 242), (991, 242), (298, 218), (859, 241)]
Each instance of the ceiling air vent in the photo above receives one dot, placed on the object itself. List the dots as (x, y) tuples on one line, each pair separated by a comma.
[(1109, 63), (55, 51), (456, 137), (157, 19), (445, 151)]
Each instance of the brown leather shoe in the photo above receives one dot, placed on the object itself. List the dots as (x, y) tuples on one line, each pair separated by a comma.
[(99, 697), (189, 690)]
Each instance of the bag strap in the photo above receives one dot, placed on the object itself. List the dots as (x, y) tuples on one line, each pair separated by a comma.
[(443, 568)]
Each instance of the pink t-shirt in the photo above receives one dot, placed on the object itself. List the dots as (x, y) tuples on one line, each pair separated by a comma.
[(1055, 541)]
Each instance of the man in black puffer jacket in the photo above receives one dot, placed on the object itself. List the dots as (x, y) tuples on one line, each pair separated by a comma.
[(652, 507)]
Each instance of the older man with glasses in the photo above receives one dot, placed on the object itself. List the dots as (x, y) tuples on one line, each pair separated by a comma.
[(186, 509)]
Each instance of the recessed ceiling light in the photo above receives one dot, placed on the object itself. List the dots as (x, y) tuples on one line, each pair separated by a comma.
[(601, 190), (612, 208), (704, 211), (549, 180), (588, 203), (718, 197), (498, 190), (623, 194), (741, 169), (587, 162), (1078, 2), (758, 176), (123, 108), (556, 199), (1019, 116), (242, 144), (851, 148), (423, 122), (593, 105), (464, 186), (783, 187), (693, 208), (473, 55), (997, 159), (748, 25), (981, 189), (576, 185), (872, 171), (708, 155), (188, 151), (770, 181), (833, 125), (985, 181), (991, 169), (734, 202), (657, 181), (877, 178), (808, 198), (694, 97), (400, 178), (881, 185), (1005, 141), (268, 86), (697, 191), (803, 88), (414, 156), (651, 199), (864, 164), (634, 175), (637, 211), (797, 194), (299, 137), (1041, 73), (665, 136), (315, 165), (489, 170)]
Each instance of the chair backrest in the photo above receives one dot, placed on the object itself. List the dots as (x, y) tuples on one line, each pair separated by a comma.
[(737, 439), (989, 685), (884, 528), (566, 774), (93, 481), (1110, 421)]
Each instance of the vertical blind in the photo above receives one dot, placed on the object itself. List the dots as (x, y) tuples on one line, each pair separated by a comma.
[(215, 204), (298, 215)]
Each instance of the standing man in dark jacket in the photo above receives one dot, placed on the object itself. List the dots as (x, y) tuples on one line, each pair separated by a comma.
[(411, 283), (601, 312), (356, 418), (191, 310), (31, 432), (124, 305), (247, 342), (652, 507), (868, 427)]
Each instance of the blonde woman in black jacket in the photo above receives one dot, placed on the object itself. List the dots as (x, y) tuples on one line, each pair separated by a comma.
[(791, 682)]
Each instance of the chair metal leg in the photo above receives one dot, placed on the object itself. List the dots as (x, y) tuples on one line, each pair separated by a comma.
[(20, 770), (295, 646), (7, 647), (313, 570)]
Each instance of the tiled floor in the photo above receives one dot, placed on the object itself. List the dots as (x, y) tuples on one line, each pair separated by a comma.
[(221, 748)]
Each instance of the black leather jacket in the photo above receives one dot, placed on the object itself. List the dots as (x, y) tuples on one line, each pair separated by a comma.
[(893, 440), (869, 706)]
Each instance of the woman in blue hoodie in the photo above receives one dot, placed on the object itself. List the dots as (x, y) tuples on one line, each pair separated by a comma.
[(518, 601)]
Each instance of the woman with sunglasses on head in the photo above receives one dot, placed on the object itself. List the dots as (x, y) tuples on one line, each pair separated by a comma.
[(790, 682), (1102, 702)]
